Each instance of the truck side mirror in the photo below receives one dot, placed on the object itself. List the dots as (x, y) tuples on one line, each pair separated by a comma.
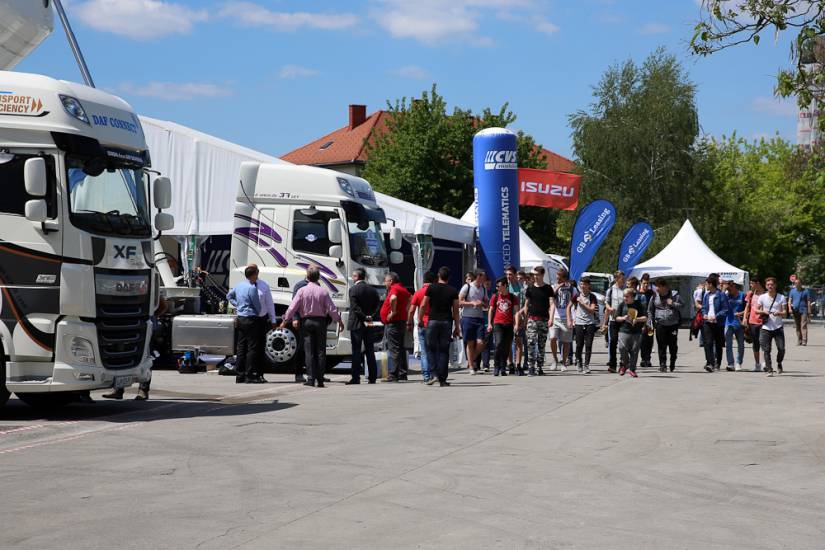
[(162, 193), (336, 251), (36, 210), (396, 257), (164, 221), (396, 238), (334, 230), (34, 173)]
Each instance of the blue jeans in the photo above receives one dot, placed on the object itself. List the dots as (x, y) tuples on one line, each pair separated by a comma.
[(739, 334), (425, 358)]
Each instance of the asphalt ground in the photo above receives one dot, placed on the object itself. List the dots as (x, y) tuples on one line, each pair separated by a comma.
[(678, 460)]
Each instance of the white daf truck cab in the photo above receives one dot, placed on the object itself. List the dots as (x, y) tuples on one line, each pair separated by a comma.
[(76, 260), (290, 217)]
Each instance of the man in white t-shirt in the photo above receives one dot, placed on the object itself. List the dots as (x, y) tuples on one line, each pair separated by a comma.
[(472, 299), (773, 307)]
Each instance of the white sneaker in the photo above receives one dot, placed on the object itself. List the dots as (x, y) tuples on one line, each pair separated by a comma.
[(554, 366), (562, 368), (587, 369), (473, 372), (757, 368), (738, 367)]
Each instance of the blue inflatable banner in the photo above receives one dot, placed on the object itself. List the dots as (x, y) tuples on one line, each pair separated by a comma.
[(634, 244), (591, 229), (495, 175)]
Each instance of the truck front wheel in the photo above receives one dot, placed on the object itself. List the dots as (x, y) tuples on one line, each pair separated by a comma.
[(281, 349)]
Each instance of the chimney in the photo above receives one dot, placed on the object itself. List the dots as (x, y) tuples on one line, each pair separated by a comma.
[(357, 115)]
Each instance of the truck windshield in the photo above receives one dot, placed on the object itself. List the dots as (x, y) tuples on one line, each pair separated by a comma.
[(108, 199), (366, 241)]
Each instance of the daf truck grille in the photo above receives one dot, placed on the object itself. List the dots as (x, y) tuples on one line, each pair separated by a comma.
[(121, 330)]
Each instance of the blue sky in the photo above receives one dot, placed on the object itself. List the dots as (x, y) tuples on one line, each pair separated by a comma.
[(275, 74)]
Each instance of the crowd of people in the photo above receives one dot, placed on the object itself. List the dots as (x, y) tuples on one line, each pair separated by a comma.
[(510, 320)]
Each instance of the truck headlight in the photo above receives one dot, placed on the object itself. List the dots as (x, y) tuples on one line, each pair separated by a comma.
[(82, 351), (74, 109)]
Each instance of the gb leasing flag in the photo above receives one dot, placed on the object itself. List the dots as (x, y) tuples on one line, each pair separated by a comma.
[(592, 227), (548, 189), (634, 244)]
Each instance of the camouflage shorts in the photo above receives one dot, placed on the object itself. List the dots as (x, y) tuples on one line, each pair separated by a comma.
[(536, 341)]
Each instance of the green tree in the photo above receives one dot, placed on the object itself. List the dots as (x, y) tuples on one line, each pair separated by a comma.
[(635, 147), (764, 210), (425, 156), (728, 23)]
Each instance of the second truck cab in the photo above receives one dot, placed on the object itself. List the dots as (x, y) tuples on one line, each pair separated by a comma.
[(290, 217)]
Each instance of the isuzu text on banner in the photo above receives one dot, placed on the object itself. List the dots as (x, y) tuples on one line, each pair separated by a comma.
[(495, 174), (591, 229), (548, 189)]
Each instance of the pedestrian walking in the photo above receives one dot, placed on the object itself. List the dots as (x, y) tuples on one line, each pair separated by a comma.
[(394, 316), (300, 359), (734, 331), (441, 300), (714, 313), (314, 304), (364, 310), (561, 332), (633, 316), (773, 308), (586, 323), (413, 315), (663, 313), (247, 302), (503, 324), (646, 346), (612, 300), (473, 301), (799, 307), (538, 309), (753, 321)]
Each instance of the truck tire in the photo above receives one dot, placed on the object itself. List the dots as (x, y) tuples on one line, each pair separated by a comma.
[(47, 401), (281, 349), (4, 393)]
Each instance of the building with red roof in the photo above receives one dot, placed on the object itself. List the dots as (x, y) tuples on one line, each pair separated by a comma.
[(345, 149)]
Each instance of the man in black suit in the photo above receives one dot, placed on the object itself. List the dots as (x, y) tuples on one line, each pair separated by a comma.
[(364, 303)]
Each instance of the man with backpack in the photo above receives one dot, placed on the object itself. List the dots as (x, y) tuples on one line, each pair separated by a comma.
[(663, 312), (612, 300), (472, 299)]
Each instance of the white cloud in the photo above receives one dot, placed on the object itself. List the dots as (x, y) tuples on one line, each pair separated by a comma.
[(138, 19), (775, 106), (250, 14), (655, 28), (176, 91), (410, 71), (546, 26), (432, 22), (296, 71)]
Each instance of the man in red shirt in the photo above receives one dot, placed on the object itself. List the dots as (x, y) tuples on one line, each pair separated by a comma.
[(503, 322), (415, 304), (394, 316)]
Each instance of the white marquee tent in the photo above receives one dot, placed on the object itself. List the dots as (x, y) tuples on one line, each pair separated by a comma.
[(687, 255), (204, 171)]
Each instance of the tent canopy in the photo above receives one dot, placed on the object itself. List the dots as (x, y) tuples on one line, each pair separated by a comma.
[(417, 220), (204, 171), (687, 255)]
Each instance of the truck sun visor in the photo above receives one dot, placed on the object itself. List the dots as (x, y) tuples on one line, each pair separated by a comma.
[(90, 147)]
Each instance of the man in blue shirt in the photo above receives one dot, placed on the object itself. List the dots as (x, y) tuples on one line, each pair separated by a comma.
[(799, 305), (248, 305), (733, 326)]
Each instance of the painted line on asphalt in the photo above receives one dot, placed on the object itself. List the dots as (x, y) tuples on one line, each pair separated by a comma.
[(37, 427)]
